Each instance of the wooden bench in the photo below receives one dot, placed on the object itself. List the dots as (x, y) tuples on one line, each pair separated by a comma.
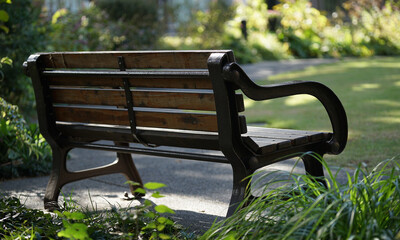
[(141, 100)]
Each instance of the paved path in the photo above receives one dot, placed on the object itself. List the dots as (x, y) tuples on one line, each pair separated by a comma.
[(199, 192)]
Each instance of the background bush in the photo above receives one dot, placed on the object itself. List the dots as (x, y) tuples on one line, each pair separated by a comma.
[(377, 24), (220, 28), (23, 150), (25, 35), (106, 25), (358, 28)]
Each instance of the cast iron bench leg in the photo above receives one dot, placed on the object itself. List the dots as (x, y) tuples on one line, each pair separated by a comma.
[(129, 169), (314, 167), (241, 181), (57, 178)]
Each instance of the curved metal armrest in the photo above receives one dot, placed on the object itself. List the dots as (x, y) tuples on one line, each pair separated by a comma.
[(233, 73)]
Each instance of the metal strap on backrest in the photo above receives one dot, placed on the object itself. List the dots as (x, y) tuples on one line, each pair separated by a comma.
[(129, 104)]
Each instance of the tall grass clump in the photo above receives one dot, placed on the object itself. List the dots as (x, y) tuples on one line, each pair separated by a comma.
[(366, 207)]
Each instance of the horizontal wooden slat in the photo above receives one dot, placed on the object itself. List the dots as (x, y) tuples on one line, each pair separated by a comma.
[(137, 59), (295, 139), (158, 136), (184, 83), (108, 97), (141, 98), (287, 133), (266, 140), (175, 120), (271, 144), (149, 73)]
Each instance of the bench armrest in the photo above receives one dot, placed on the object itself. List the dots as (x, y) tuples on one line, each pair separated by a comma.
[(234, 73)]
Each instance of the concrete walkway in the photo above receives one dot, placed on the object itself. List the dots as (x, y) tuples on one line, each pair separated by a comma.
[(199, 192)]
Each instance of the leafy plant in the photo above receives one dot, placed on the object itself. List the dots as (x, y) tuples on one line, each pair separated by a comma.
[(4, 17), (141, 220), (137, 21), (374, 24), (24, 35), (23, 150), (220, 28), (7, 61), (106, 25), (366, 207), (81, 31), (302, 27)]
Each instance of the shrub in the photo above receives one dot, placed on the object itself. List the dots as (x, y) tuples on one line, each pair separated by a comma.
[(24, 35), (377, 23), (372, 29), (207, 27), (23, 150), (302, 27), (367, 207), (106, 25), (137, 21), (220, 28), (82, 31)]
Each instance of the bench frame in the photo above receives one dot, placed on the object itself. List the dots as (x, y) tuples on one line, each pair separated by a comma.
[(226, 77)]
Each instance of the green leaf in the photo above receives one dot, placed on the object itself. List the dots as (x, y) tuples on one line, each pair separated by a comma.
[(157, 195), (160, 227), (75, 231), (4, 16), (162, 220), (132, 183), (154, 185), (163, 209), (151, 226), (154, 235), (5, 29), (6, 60), (74, 215), (164, 236), (147, 203), (150, 215), (140, 190), (58, 14)]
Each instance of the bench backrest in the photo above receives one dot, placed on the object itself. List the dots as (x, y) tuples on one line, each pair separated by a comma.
[(167, 89)]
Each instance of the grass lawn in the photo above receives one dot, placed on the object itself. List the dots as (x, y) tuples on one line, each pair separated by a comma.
[(370, 92)]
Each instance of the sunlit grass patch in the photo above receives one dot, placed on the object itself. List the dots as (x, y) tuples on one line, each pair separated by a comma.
[(369, 90)]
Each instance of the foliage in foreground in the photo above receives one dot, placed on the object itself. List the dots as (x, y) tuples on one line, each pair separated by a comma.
[(367, 207), (23, 150), (143, 221)]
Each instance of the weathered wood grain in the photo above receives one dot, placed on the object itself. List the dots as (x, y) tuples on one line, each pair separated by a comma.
[(133, 60), (183, 83), (174, 120), (141, 98)]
